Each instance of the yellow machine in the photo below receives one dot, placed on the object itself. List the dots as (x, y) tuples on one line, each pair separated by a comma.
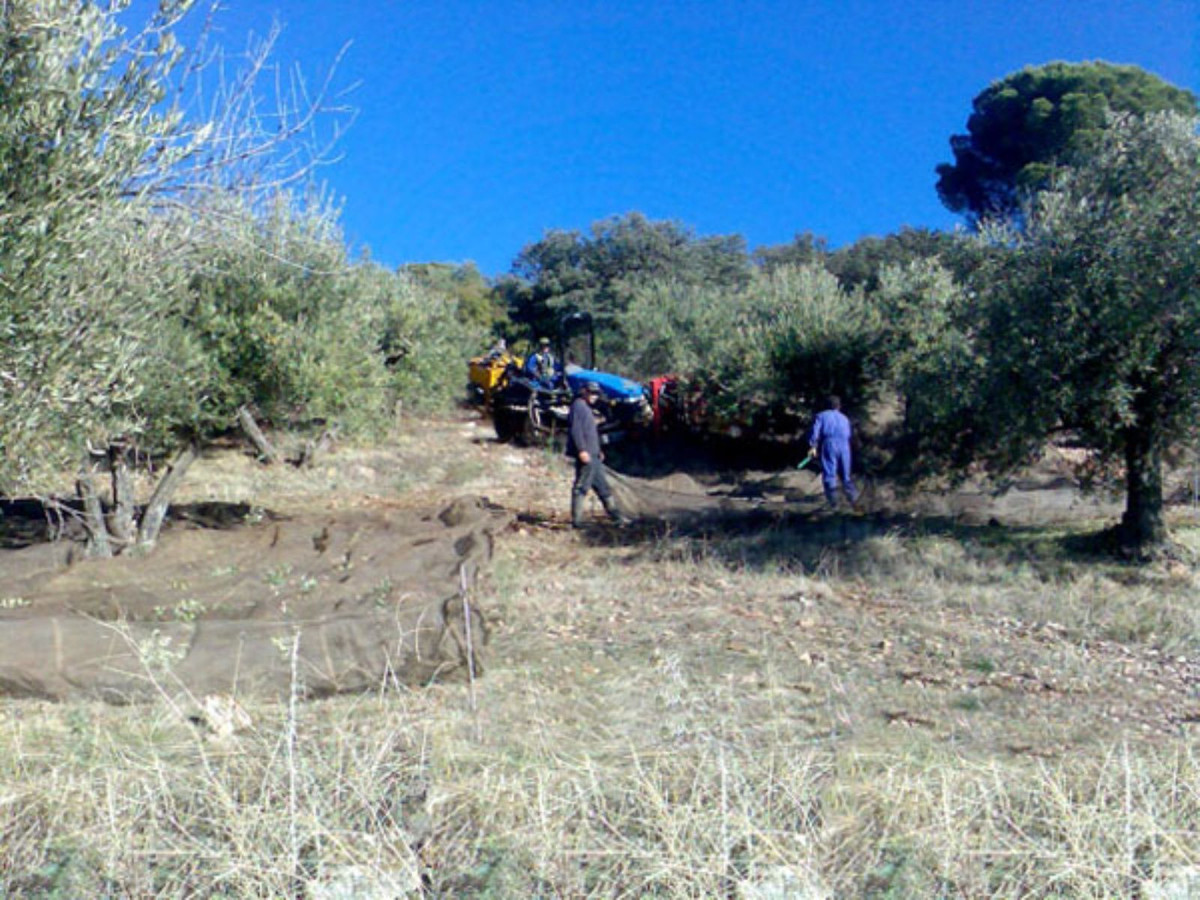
[(487, 373)]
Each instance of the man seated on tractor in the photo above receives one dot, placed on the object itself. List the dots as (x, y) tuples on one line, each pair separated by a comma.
[(542, 366)]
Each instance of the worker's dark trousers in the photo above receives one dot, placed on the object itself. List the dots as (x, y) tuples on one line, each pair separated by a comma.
[(835, 466), (590, 477)]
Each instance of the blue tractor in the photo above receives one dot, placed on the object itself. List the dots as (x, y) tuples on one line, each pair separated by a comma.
[(533, 409)]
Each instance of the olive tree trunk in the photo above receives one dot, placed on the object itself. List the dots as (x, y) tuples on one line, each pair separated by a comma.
[(98, 543), (117, 526), (121, 525), (160, 500), (255, 435), (1143, 528)]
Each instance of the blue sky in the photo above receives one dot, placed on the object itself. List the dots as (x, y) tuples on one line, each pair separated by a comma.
[(480, 125)]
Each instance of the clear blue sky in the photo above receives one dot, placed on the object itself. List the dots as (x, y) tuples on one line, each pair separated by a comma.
[(482, 124)]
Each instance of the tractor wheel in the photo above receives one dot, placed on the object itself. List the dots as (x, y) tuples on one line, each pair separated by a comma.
[(508, 425), (535, 426), (541, 428)]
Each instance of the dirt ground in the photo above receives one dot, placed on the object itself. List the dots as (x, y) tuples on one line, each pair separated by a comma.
[(744, 569)]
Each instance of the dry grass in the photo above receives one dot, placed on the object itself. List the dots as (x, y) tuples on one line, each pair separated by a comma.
[(905, 715)]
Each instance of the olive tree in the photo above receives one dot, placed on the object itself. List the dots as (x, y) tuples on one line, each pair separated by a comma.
[(928, 358), (75, 127), (762, 355), (1090, 317), (103, 177)]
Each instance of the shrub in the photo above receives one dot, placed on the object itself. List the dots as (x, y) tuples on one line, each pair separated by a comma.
[(303, 332), (760, 354), (929, 360)]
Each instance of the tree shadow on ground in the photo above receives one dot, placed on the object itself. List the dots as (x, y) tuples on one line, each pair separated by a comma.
[(817, 543), (702, 456), (27, 521)]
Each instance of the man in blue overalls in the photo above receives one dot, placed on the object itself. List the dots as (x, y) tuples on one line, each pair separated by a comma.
[(830, 438)]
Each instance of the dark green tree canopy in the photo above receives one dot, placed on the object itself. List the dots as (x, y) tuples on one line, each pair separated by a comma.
[(464, 285), (804, 249), (598, 271), (1025, 126), (861, 264)]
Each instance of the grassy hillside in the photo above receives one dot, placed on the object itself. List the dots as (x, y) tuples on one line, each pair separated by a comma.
[(915, 712)]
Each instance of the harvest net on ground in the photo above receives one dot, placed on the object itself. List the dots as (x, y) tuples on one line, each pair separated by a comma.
[(348, 601), (679, 498)]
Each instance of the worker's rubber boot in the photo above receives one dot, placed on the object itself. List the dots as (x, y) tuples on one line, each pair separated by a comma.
[(577, 510), (614, 512)]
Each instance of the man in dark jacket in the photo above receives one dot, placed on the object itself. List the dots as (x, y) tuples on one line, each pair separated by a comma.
[(583, 445)]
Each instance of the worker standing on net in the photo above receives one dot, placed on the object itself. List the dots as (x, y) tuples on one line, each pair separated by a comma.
[(830, 439), (583, 445)]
